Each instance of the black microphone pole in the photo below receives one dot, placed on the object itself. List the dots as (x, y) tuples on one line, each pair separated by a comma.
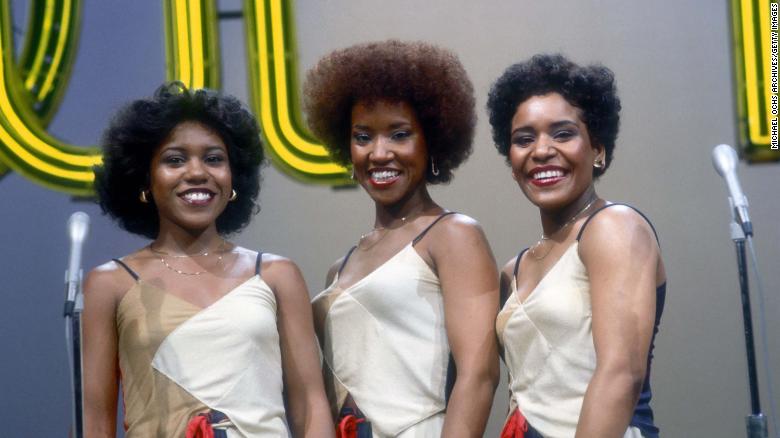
[(756, 422), (725, 159), (78, 225)]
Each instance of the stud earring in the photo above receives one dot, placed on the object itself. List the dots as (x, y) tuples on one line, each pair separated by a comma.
[(144, 196), (233, 195), (598, 164), (434, 169)]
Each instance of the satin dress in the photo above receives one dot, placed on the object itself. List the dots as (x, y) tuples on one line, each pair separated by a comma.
[(177, 360)]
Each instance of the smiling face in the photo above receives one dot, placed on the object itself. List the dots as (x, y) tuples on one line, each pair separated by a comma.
[(190, 178), (551, 152), (389, 154)]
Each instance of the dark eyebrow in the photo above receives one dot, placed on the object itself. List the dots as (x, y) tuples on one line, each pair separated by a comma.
[(391, 126), (172, 148), (554, 125), (181, 149), (562, 123)]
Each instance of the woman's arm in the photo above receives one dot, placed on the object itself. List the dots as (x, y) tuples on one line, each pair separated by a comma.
[(622, 258), (309, 408), (100, 351), (469, 280)]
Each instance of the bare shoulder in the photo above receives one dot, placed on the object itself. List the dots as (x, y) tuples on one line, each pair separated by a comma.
[(458, 242), (278, 265), (617, 220), (459, 230), (615, 227), (281, 273), (108, 281)]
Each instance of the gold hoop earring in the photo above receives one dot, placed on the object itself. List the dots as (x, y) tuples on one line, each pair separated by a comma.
[(434, 169), (233, 195), (144, 196)]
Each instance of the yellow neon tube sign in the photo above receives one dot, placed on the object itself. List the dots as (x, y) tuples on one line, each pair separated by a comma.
[(30, 89), (752, 48), (270, 55)]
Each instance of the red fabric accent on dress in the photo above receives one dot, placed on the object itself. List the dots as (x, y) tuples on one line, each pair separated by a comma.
[(347, 427), (199, 427), (516, 426)]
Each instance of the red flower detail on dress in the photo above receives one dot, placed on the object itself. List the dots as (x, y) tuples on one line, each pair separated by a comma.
[(516, 426), (199, 427), (348, 426)]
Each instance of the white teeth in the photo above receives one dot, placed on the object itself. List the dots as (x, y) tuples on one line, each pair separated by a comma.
[(196, 196), (547, 174), (383, 175)]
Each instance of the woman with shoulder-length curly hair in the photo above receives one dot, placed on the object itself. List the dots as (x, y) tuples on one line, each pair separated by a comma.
[(204, 335), (414, 300), (583, 303)]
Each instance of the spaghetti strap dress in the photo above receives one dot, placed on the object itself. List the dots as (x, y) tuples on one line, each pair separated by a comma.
[(548, 348), (384, 343), (180, 363)]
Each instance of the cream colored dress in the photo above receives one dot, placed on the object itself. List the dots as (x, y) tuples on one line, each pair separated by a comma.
[(384, 343), (548, 347), (177, 360)]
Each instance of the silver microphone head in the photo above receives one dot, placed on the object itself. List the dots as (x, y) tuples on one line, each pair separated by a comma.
[(78, 226), (725, 159)]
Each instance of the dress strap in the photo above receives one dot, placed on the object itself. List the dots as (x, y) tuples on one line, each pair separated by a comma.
[(346, 257), (258, 263), (505, 293), (517, 262), (127, 268), (582, 229), (421, 235), (414, 242)]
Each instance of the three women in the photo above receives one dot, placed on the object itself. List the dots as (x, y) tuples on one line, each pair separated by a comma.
[(206, 334)]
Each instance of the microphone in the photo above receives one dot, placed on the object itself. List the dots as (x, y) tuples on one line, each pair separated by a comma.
[(78, 226), (725, 160)]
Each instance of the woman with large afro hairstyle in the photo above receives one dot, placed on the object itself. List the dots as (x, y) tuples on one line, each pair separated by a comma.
[(582, 305), (204, 335), (415, 299)]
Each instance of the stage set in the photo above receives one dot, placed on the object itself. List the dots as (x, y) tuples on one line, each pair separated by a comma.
[(690, 74)]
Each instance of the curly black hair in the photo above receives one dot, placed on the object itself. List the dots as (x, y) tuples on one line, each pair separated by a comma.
[(141, 126), (429, 78), (590, 88)]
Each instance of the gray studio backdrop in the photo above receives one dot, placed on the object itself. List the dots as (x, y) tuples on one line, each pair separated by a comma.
[(672, 62)]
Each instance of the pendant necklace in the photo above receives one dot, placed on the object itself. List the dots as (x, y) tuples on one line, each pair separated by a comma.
[(386, 232), (546, 237)]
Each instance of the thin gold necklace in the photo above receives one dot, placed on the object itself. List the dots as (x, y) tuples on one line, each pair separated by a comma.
[(363, 237), (545, 237), (163, 254), (181, 256), (386, 232)]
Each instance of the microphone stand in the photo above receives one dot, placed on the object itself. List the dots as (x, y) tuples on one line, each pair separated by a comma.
[(74, 305), (756, 422)]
